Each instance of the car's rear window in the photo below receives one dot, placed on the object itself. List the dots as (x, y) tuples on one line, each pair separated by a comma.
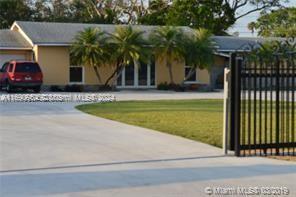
[(27, 67)]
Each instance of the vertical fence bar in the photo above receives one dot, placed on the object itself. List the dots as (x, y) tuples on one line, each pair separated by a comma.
[(237, 125), (277, 104), (282, 105), (243, 120), (272, 74), (265, 105), (249, 108), (255, 106)]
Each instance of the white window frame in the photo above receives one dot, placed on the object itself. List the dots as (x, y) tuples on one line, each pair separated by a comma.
[(189, 82), (83, 72), (136, 78)]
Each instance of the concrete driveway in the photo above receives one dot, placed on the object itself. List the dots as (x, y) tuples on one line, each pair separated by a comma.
[(55, 150)]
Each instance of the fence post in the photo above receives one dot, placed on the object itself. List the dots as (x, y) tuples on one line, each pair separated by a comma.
[(232, 99), (226, 110)]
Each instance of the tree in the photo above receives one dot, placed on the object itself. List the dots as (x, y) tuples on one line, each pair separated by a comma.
[(93, 11), (12, 10), (127, 45), (156, 13), (199, 51), (89, 49), (216, 16), (168, 46), (278, 23)]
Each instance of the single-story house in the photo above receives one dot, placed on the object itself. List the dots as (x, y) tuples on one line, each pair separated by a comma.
[(49, 44)]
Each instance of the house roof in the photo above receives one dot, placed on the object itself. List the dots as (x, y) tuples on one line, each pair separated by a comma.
[(45, 33), (231, 43), (13, 40), (62, 34)]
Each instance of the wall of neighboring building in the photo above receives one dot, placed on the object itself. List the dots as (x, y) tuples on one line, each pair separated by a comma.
[(217, 71), (54, 62)]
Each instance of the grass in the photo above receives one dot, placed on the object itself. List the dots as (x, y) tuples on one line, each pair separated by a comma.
[(200, 120)]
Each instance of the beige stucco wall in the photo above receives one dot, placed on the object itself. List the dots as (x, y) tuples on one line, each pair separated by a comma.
[(54, 62), (162, 71), (90, 77)]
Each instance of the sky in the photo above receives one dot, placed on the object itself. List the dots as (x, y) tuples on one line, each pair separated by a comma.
[(241, 25)]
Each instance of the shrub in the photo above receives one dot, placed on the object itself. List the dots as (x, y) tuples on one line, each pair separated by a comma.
[(55, 88), (163, 86), (166, 86), (74, 88)]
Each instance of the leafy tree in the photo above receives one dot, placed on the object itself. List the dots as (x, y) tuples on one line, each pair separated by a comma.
[(278, 23), (89, 49), (198, 51), (168, 46), (127, 45), (156, 13), (213, 15), (91, 11), (216, 15), (12, 10)]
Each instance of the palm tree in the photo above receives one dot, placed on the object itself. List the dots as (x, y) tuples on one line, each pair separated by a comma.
[(127, 45), (168, 46), (198, 51), (89, 49)]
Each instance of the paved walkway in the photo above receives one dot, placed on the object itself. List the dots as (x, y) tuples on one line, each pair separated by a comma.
[(169, 95), (55, 150)]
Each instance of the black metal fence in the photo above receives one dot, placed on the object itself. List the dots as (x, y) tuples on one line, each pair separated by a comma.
[(263, 104)]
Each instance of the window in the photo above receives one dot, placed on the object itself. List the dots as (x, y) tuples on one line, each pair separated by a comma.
[(10, 67), (143, 72), (192, 77), (27, 68), (4, 67), (76, 74), (129, 75), (152, 71)]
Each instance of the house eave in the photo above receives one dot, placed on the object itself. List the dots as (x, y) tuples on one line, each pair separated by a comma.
[(53, 44), (15, 48)]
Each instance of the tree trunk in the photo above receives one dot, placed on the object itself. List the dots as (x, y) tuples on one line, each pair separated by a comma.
[(118, 67), (118, 73), (169, 65), (97, 73)]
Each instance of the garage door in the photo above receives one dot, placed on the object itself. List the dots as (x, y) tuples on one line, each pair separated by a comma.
[(5, 58)]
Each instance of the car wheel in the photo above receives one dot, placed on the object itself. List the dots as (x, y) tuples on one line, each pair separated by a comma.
[(9, 87), (37, 89)]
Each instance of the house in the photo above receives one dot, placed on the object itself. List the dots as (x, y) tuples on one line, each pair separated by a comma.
[(49, 44)]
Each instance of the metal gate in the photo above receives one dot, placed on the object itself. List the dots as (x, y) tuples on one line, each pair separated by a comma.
[(263, 103)]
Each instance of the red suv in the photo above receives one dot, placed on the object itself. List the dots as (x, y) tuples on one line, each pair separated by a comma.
[(21, 74)]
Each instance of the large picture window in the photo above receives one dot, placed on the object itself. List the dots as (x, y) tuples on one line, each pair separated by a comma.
[(76, 74), (141, 74)]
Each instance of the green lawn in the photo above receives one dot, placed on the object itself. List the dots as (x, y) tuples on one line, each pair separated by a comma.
[(200, 120)]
